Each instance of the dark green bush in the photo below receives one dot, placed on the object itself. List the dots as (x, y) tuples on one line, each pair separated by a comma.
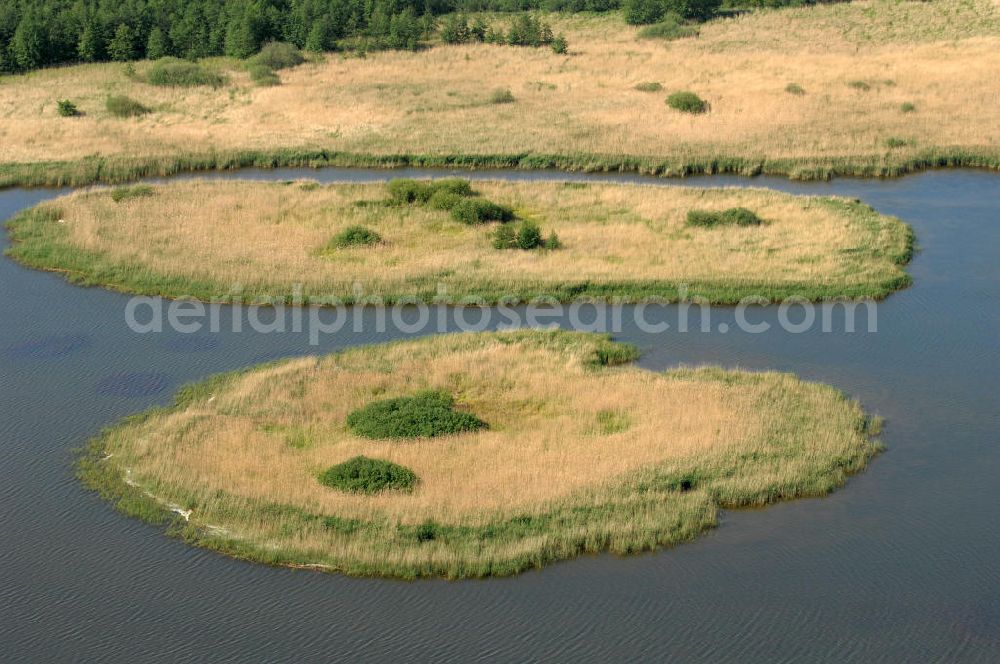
[(687, 102), (426, 414), (444, 200), (795, 89), (505, 237), (456, 186), (907, 107), (262, 75), (278, 55), (66, 108), (668, 29), (479, 211), (529, 235), (182, 73), (648, 87), (737, 216), (502, 96), (405, 190), (559, 45), (894, 142), (119, 194), (864, 86), (365, 475), (355, 236), (121, 106)]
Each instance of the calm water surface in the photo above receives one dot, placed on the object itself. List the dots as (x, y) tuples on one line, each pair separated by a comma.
[(902, 564)]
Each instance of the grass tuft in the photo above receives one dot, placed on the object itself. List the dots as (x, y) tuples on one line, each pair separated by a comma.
[(122, 106), (737, 216)]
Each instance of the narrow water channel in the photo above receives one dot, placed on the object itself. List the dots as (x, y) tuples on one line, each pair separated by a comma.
[(902, 564)]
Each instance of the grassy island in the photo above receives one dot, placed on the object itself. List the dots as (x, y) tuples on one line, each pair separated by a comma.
[(578, 452), (861, 88), (259, 242)]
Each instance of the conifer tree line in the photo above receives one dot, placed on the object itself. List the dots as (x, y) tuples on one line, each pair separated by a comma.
[(39, 33)]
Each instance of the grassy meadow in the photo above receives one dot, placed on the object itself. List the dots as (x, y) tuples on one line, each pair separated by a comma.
[(275, 242), (862, 88), (577, 455)]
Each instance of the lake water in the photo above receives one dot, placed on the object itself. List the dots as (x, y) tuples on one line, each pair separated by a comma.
[(901, 564)]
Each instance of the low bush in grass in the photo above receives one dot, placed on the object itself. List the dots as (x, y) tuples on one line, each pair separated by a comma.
[(668, 29), (648, 87), (121, 106), (444, 200), (502, 96), (479, 211), (174, 72), (737, 216), (278, 55), (119, 194), (423, 415), (366, 475), (559, 45), (687, 102), (907, 107), (67, 109), (795, 89), (863, 86), (527, 236), (262, 75), (355, 236), (405, 191)]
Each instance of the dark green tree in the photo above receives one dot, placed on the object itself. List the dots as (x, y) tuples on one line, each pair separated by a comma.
[(157, 45), (28, 45), (121, 48)]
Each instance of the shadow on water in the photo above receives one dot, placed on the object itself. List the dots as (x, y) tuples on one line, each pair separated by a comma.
[(901, 564)]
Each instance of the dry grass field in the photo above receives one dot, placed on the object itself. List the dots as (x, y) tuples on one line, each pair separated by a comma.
[(578, 455), (858, 64), (202, 239)]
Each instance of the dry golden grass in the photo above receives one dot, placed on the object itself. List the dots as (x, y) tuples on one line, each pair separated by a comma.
[(941, 56), (270, 237), (547, 479)]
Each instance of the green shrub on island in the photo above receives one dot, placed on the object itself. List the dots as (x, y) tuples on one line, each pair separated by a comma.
[(119, 194), (527, 237), (67, 109), (355, 236), (405, 191), (444, 200), (174, 72), (121, 106), (687, 102), (474, 211), (737, 216), (366, 475), (424, 415)]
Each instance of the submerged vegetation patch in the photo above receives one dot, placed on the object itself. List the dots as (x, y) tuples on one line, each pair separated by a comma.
[(635, 459)]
